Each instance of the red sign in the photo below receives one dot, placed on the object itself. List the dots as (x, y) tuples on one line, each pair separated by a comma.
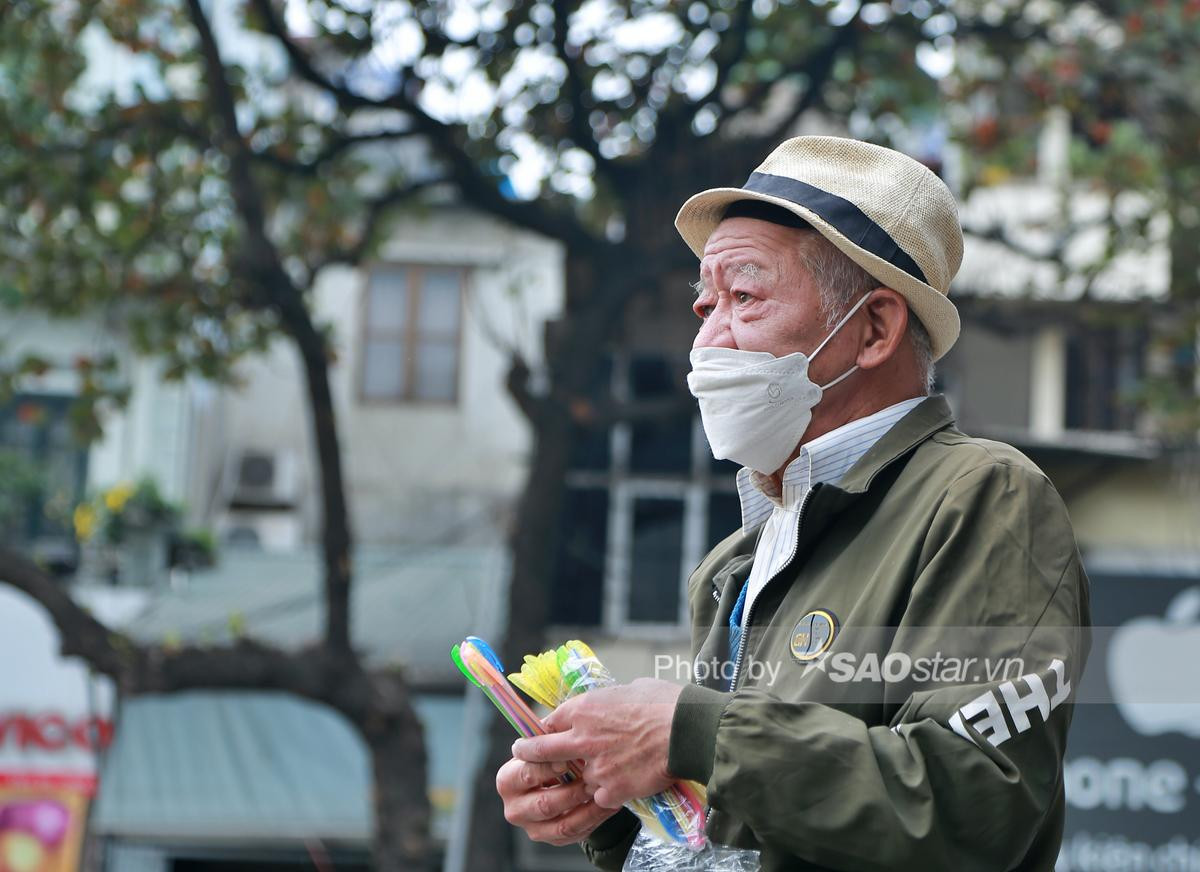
[(54, 732)]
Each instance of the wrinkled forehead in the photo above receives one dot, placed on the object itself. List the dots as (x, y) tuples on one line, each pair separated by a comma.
[(741, 239)]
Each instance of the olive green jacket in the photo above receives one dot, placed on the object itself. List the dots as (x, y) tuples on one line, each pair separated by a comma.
[(858, 734)]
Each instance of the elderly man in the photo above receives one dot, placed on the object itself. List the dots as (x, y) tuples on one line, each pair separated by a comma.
[(886, 651)]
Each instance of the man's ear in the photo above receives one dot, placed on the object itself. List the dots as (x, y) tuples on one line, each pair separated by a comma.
[(884, 327)]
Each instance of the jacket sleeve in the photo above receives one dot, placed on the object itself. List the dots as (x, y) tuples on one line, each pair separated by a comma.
[(609, 843), (962, 772)]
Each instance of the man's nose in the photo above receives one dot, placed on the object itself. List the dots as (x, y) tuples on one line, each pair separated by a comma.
[(715, 330)]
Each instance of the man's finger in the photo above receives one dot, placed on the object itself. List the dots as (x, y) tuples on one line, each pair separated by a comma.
[(572, 827), (605, 798), (544, 804), (551, 748), (517, 776)]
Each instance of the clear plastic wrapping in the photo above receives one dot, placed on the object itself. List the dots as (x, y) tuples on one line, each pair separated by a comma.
[(649, 854)]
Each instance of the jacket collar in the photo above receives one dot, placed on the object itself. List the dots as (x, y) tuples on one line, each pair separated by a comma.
[(918, 425), (828, 500), (733, 555), (906, 434)]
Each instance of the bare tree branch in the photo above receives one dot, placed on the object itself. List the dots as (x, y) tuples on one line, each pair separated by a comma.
[(377, 209), (730, 52), (1015, 23), (335, 148), (580, 127), (317, 673), (244, 188), (603, 415), (818, 68), (480, 189), (1055, 251), (82, 635), (517, 381)]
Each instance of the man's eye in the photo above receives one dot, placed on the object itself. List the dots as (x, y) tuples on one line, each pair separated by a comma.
[(741, 297)]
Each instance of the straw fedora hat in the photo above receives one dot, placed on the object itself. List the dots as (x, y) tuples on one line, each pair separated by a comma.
[(888, 213)]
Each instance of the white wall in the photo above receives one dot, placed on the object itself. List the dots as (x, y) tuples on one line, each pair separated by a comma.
[(417, 471)]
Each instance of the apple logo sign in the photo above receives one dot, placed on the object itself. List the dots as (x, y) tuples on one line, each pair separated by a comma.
[(1152, 669)]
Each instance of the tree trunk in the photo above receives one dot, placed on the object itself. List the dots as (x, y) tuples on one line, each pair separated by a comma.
[(336, 539), (532, 546), (402, 814), (572, 355)]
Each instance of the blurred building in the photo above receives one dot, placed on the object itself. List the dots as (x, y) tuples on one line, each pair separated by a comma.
[(432, 446), (433, 454)]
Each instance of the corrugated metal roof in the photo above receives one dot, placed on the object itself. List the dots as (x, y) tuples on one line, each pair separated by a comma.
[(206, 765), (225, 767)]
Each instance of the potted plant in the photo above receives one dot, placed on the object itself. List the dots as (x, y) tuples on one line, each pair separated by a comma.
[(137, 524)]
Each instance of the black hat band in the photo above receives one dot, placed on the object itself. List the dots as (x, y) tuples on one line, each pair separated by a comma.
[(838, 212)]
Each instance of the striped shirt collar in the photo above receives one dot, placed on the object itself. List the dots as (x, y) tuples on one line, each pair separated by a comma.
[(825, 459)]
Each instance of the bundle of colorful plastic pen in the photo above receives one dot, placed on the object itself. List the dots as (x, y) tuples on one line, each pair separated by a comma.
[(675, 816), (478, 662)]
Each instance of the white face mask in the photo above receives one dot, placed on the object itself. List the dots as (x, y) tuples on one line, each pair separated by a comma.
[(756, 406)]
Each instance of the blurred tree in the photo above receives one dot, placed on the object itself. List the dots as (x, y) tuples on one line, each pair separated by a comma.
[(191, 201), (1120, 77), (201, 206)]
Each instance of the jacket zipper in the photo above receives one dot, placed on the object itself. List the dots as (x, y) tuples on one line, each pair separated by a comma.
[(737, 663)]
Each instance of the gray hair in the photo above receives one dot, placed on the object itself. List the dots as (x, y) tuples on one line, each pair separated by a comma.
[(841, 282)]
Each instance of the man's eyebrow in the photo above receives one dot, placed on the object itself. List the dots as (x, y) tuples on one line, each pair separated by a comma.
[(751, 270)]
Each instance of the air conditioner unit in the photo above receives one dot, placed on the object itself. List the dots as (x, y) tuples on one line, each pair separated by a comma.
[(265, 480)]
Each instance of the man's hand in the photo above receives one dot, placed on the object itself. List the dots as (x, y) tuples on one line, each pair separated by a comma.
[(621, 733), (547, 810)]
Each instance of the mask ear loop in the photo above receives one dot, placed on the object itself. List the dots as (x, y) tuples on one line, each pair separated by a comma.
[(832, 333), (844, 375), (838, 326)]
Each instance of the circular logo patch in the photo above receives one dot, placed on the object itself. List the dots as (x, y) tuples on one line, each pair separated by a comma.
[(813, 635)]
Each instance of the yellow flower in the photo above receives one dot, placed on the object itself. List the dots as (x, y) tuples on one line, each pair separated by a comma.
[(85, 521), (118, 496)]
